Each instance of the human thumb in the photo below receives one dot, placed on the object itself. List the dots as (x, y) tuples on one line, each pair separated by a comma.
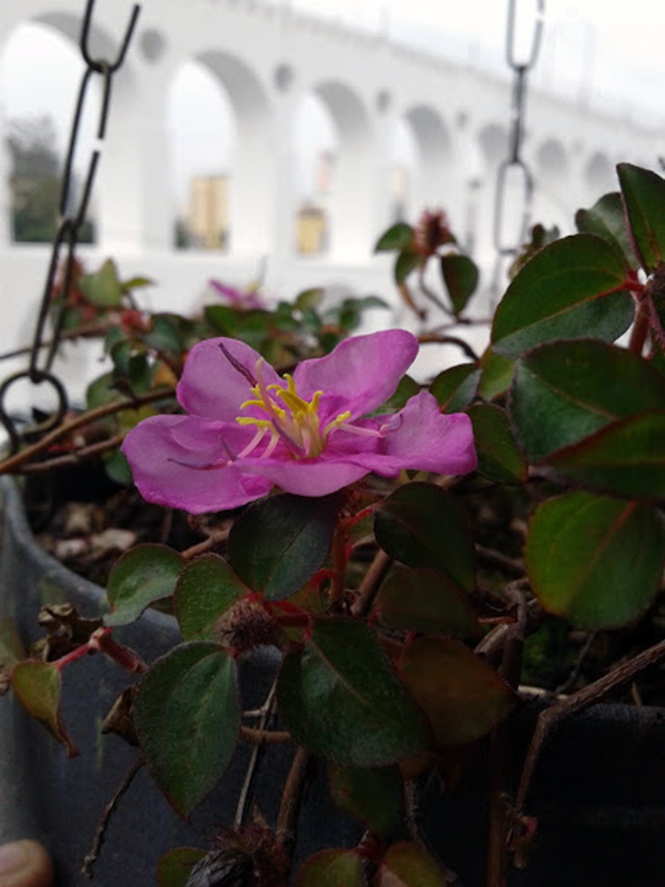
[(25, 864)]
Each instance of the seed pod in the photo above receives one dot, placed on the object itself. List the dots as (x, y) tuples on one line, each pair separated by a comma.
[(223, 868)]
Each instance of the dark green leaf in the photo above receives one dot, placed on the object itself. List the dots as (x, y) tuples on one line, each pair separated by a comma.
[(102, 288), (310, 300), (607, 219), (340, 698), (187, 715), (420, 525), (174, 867), (206, 588), (117, 468), (425, 601), (499, 457), (38, 687), (222, 318), (560, 392), (398, 237), (332, 868), (406, 389), (101, 391), (456, 387), (143, 575), (573, 287), (626, 458), (496, 373), (164, 334), (278, 543), (11, 646), (409, 865), (460, 276), (463, 697), (594, 560), (643, 196), (405, 263), (373, 795)]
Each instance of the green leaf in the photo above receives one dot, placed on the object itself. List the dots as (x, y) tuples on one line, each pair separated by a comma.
[(460, 276), (463, 697), (456, 387), (135, 283), (310, 300), (643, 196), (373, 795), (332, 868), (101, 391), (141, 576), (560, 392), (406, 389), (594, 560), (38, 687), (573, 287), (405, 263), (102, 288), (206, 588), (607, 219), (425, 601), (187, 715), (11, 647), (626, 458), (499, 457), (174, 867), (420, 525), (496, 374), (164, 334), (339, 698), (398, 237), (278, 543), (409, 865), (117, 468)]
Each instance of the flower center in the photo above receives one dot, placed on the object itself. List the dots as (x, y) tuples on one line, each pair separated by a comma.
[(287, 417)]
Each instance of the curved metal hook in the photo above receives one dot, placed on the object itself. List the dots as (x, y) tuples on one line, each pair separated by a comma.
[(99, 64), (49, 423), (535, 37)]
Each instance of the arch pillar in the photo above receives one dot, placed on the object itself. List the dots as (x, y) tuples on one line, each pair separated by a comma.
[(283, 173), (5, 192)]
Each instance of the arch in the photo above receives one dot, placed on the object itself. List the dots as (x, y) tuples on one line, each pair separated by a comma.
[(434, 180), (347, 110), (493, 141), (252, 186), (552, 160), (599, 174)]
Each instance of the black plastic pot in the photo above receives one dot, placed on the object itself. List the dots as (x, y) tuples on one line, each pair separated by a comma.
[(599, 790)]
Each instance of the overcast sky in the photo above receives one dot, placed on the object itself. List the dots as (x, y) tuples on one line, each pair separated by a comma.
[(610, 51)]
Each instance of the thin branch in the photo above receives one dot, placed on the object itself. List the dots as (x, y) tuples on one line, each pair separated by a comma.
[(369, 586), (434, 339), (288, 808), (578, 702), (266, 711), (85, 331), (265, 737), (215, 538), (569, 683), (76, 457), (98, 839), (509, 565), (11, 463)]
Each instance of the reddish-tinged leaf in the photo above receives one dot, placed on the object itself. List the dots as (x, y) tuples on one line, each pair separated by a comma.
[(643, 196), (332, 868), (462, 696), (499, 457), (421, 526), (425, 601), (594, 560), (560, 392), (187, 715), (374, 795), (143, 575), (460, 277), (409, 865), (496, 373), (456, 387), (340, 698), (573, 286), (626, 458), (398, 237), (206, 588), (38, 686), (174, 867)]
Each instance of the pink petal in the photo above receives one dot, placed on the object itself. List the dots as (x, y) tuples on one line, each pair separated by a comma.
[(360, 374), (181, 462), (423, 439), (311, 477), (212, 387)]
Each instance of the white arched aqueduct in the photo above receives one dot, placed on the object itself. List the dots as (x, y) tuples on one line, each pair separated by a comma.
[(268, 58)]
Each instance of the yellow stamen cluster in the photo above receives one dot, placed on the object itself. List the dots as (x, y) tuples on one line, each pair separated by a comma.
[(289, 418)]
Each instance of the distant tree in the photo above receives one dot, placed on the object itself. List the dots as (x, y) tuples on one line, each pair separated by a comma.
[(35, 181)]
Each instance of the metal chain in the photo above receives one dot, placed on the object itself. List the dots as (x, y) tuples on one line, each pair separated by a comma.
[(69, 227), (514, 166)]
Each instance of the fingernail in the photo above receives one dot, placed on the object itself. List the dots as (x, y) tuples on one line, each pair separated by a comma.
[(13, 857)]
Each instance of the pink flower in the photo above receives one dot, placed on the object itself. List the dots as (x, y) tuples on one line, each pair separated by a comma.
[(247, 428), (242, 299)]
